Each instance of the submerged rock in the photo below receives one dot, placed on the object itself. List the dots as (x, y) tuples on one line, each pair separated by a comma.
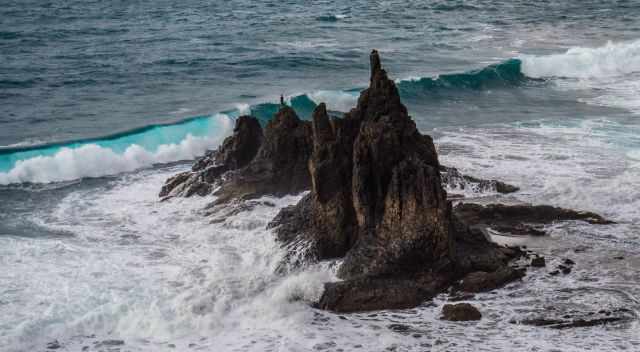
[(482, 281), (460, 312), (520, 219), (579, 320), (538, 262), (53, 345)]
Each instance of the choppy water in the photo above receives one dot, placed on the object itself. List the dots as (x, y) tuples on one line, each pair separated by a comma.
[(100, 102)]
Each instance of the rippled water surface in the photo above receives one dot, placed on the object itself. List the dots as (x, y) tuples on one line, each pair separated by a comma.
[(100, 102)]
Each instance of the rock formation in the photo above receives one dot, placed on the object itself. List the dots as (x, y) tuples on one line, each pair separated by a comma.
[(460, 312), (251, 163), (235, 152), (377, 200), (280, 166)]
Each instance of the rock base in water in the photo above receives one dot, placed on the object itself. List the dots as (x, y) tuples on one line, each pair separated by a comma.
[(523, 220), (460, 312), (377, 201)]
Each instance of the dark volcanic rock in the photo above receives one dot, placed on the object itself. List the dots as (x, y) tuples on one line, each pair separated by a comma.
[(538, 262), (575, 322), (460, 312), (482, 281), (376, 192), (53, 345), (280, 166), (375, 293), (377, 200), (235, 152), (455, 179), (519, 219)]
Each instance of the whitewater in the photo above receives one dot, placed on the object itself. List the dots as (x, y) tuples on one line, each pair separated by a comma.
[(93, 260)]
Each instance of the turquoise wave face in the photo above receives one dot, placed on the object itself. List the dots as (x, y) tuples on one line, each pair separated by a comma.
[(302, 104), (149, 138), (503, 75)]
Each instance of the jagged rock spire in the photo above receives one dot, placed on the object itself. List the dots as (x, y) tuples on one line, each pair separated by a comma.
[(376, 66)]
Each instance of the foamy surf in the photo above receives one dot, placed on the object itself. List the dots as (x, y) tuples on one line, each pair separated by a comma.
[(610, 74)]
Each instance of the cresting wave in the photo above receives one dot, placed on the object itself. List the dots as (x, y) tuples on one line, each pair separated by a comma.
[(610, 60), (124, 152)]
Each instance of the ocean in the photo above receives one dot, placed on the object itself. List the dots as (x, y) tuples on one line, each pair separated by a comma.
[(101, 102)]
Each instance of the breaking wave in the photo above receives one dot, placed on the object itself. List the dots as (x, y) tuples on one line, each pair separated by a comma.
[(610, 60), (114, 154)]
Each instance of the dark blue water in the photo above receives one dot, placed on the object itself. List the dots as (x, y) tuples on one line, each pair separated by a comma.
[(100, 101)]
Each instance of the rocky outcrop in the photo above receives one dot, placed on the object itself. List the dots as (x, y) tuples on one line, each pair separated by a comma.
[(520, 219), (455, 180), (460, 312), (376, 195), (252, 163), (280, 166), (235, 152), (377, 201)]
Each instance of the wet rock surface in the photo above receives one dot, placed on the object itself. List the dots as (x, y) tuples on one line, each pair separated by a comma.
[(235, 152), (482, 281), (522, 220), (580, 319), (252, 162), (280, 166), (456, 180), (377, 201), (460, 312)]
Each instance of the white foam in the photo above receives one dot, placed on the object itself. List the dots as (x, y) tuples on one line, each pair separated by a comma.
[(335, 100), (610, 75), (612, 59), (243, 109), (580, 164), (91, 160)]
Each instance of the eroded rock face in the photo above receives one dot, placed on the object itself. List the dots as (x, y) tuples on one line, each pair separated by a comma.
[(252, 163), (377, 201), (280, 166), (376, 195), (235, 152)]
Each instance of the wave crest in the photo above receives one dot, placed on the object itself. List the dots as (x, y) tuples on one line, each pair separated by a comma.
[(93, 160), (612, 59)]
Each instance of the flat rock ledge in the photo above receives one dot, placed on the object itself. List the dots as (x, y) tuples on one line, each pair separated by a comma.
[(521, 220)]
